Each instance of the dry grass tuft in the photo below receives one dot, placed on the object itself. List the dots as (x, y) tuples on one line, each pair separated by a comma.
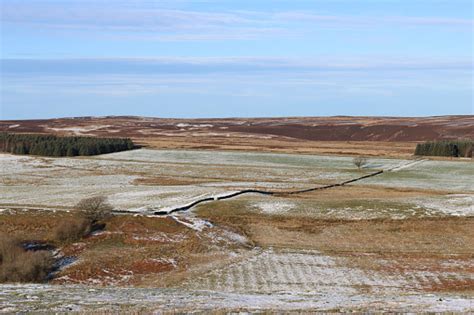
[(18, 265), (71, 230)]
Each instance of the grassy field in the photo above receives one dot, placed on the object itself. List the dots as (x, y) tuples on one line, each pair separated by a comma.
[(399, 241), (153, 179)]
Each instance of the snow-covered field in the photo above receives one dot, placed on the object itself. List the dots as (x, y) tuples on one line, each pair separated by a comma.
[(61, 182), (438, 175), (54, 298), (303, 272), (265, 279), (399, 208)]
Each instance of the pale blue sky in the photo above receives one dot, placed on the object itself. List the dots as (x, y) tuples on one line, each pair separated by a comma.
[(236, 58)]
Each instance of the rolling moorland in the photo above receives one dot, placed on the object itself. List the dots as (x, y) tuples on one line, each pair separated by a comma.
[(400, 240), (372, 136)]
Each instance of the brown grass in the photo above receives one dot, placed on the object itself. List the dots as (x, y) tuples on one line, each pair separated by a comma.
[(71, 230), (166, 181), (282, 145), (450, 235), (32, 225), (18, 265), (132, 251)]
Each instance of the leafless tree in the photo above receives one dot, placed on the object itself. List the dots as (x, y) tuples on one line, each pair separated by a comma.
[(360, 161), (95, 209)]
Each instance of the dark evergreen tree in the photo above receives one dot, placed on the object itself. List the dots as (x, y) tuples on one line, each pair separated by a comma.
[(454, 148), (48, 145)]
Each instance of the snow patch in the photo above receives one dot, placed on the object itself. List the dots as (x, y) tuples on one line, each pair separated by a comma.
[(192, 222), (275, 206), (456, 204), (184, 125)]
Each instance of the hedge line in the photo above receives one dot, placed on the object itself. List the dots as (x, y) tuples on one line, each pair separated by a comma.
[(455, 148), (49, 145)]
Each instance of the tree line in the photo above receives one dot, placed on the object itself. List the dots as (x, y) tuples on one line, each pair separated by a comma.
[(454, 148), (50, 145)]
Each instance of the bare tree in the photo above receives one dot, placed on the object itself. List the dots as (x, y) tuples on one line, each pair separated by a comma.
[(360, 161), (95, 209)]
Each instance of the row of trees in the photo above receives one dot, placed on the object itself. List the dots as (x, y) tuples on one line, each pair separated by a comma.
[(49, 145), (455, 148)]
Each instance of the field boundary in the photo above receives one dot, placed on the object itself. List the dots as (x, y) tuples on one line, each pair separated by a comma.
[(255, 191), (277, 193)]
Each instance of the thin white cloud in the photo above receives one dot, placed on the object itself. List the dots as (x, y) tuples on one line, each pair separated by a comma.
[(371, 20), (290, 82), (235, 65), (145, 21)]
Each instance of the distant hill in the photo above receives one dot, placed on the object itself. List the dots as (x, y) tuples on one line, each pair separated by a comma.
[(339, 128)]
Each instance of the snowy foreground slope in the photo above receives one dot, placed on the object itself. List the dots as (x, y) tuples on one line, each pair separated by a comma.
[(396, 242)]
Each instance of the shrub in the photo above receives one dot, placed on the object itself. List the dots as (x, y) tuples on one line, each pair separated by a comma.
[(90, 212), (94, 209), (359, 161), (18, 265), (71, 230)]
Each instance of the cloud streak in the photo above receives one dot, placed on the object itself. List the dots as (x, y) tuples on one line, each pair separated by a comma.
[(144, 21), (242, 65)]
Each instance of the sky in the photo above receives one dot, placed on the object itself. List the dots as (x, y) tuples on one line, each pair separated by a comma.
[(218, 58)]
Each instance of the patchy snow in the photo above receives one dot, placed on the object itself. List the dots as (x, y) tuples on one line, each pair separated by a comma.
[(455, 204), (169, 261), (433, 175), (221, 235), (275, 206), (161, 237), (59, 183), (237, 238), (193, 126), (56, 298), (80, 130), (405, 164), (192, 222), (311, 273)]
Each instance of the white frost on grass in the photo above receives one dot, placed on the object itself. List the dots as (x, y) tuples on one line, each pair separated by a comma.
[(169, 261), (287, 272), (221, 235), (29, 181), (455, 204), (234, 237), (275, 206), (310, 272), (405, 164), (161, 237), (192, 222), (437, 175), (22, 298)]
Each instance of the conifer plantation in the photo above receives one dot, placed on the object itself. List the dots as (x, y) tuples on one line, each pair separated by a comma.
[(50, 145), (459, 148)]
